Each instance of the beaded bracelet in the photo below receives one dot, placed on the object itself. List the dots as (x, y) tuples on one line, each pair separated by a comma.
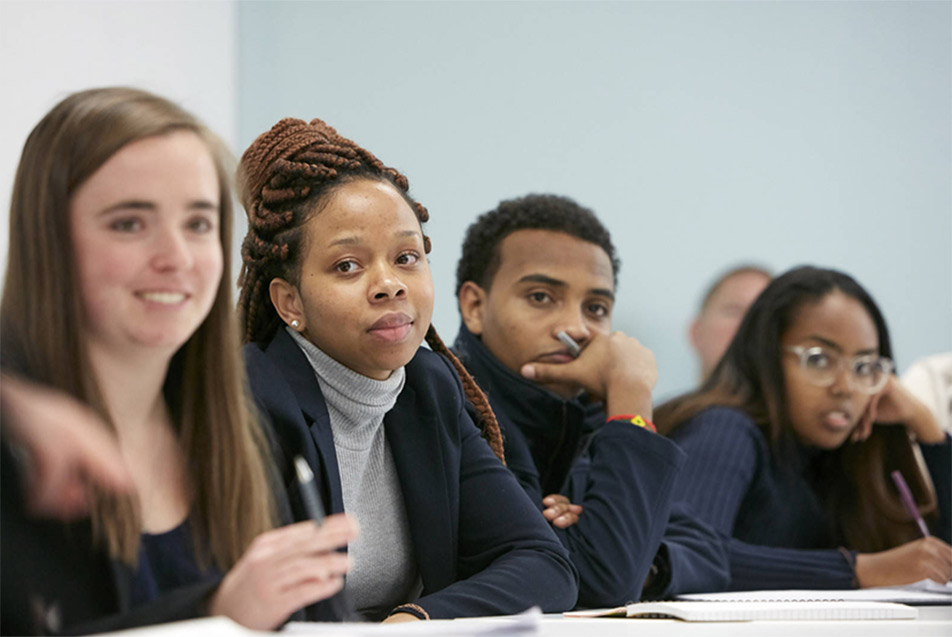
[(636, 420), (412, 609)]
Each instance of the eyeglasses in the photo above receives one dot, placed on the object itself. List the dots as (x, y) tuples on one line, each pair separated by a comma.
[(868, 373)]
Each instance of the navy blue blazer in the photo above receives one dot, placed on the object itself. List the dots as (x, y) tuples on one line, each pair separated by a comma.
[(482, 547)]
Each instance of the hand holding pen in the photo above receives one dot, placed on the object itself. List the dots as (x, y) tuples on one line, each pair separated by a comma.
[(925, 558)]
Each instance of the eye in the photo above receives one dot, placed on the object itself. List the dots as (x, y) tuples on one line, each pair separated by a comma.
[(817, 359), (598, 309), (346, 267), (867, 367), (408, 258), (201, 225), (539, 298), (127, 224)]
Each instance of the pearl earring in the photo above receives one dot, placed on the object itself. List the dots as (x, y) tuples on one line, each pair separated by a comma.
[(295, 323)]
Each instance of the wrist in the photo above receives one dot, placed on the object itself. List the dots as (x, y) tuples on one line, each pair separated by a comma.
[(629, 398), (864, 569), (636, 420)]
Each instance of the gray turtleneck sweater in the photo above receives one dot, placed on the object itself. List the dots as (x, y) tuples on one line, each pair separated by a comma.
[(384, 573)]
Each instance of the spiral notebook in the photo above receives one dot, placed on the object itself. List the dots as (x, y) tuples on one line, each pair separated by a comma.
[(736, 611), (924, 593)]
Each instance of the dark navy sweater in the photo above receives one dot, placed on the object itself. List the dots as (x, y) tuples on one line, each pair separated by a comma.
[(782, 536), (622, 475)]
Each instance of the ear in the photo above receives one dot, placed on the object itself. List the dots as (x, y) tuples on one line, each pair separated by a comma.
[(472, 306), (287, 302), (694, 333)]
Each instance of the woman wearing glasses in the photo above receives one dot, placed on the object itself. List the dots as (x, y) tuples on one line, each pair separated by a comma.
[(785, 460)]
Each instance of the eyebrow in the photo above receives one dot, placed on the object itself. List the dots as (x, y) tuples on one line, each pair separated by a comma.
[(547, 280), (355, 240), (836, 346), (143, 204)]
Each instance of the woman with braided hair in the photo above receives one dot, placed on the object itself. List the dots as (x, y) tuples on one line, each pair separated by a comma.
[(336, 301)]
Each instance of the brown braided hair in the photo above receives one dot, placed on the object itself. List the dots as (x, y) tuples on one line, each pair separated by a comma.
[(284, 178)]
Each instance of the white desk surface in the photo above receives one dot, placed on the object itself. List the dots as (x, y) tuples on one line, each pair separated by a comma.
[(933, 621)]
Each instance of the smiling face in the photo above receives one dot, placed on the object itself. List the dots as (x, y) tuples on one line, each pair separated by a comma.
[(824, 417), (365, 296), (145, 231), (546, 282)]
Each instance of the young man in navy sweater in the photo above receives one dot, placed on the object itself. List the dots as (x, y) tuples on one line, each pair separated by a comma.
[(577, 422)]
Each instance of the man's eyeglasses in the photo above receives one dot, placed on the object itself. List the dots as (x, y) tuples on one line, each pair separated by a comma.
[(868, 373)]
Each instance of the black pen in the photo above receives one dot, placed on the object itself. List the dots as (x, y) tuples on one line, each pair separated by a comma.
[(312, 500)]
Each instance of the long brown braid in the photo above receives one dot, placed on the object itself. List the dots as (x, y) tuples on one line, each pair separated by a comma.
[(284, 177)]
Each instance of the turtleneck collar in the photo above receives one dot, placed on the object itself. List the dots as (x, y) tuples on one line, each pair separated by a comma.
[(365, 400)]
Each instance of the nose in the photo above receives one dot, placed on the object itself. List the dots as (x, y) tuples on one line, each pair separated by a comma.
[(573, 323), (171, 250), (842, 380), (386, 284)]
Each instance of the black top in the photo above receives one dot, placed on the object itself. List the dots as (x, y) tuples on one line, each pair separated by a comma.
[(782, 535), (622, 475)]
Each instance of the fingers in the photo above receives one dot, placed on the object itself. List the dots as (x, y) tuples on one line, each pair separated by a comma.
[(311, 569), (98, 456), (560, 512), (941, 562), (61, 496), (311, 592), (291, 542), (69, 448), (865, 426), (547, 372), (285, 569)]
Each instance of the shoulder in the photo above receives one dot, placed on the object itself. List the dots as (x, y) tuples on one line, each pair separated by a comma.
[(269, 383), (717, 427), (434, 374)]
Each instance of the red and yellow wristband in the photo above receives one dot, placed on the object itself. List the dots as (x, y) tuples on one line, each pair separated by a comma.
[(636, 420)]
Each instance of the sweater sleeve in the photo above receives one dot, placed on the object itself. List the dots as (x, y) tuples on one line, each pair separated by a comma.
[(723, 456), (938, 459), (756, 567), (725, 453), (624, 487), (696, 555)]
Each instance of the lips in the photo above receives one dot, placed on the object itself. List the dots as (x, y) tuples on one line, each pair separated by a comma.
[(391, 328), (837, 419), (558, 358), (163, 297)]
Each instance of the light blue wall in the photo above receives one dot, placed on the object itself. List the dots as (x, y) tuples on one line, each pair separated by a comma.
[(701, 133)]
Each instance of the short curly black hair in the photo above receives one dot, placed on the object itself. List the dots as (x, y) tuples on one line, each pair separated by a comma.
[(480, 259)]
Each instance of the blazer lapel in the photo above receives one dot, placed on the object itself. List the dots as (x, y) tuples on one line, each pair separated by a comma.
[(413, 433), (303, 383)]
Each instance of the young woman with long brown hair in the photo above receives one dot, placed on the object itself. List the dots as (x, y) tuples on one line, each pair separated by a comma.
[(336, 301), (784, 459), (117, 294)]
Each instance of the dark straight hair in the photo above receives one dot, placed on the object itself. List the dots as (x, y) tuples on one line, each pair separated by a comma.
[(866, 509)]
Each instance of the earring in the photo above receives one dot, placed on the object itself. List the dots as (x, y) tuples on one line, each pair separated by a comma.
[(295, 323)]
